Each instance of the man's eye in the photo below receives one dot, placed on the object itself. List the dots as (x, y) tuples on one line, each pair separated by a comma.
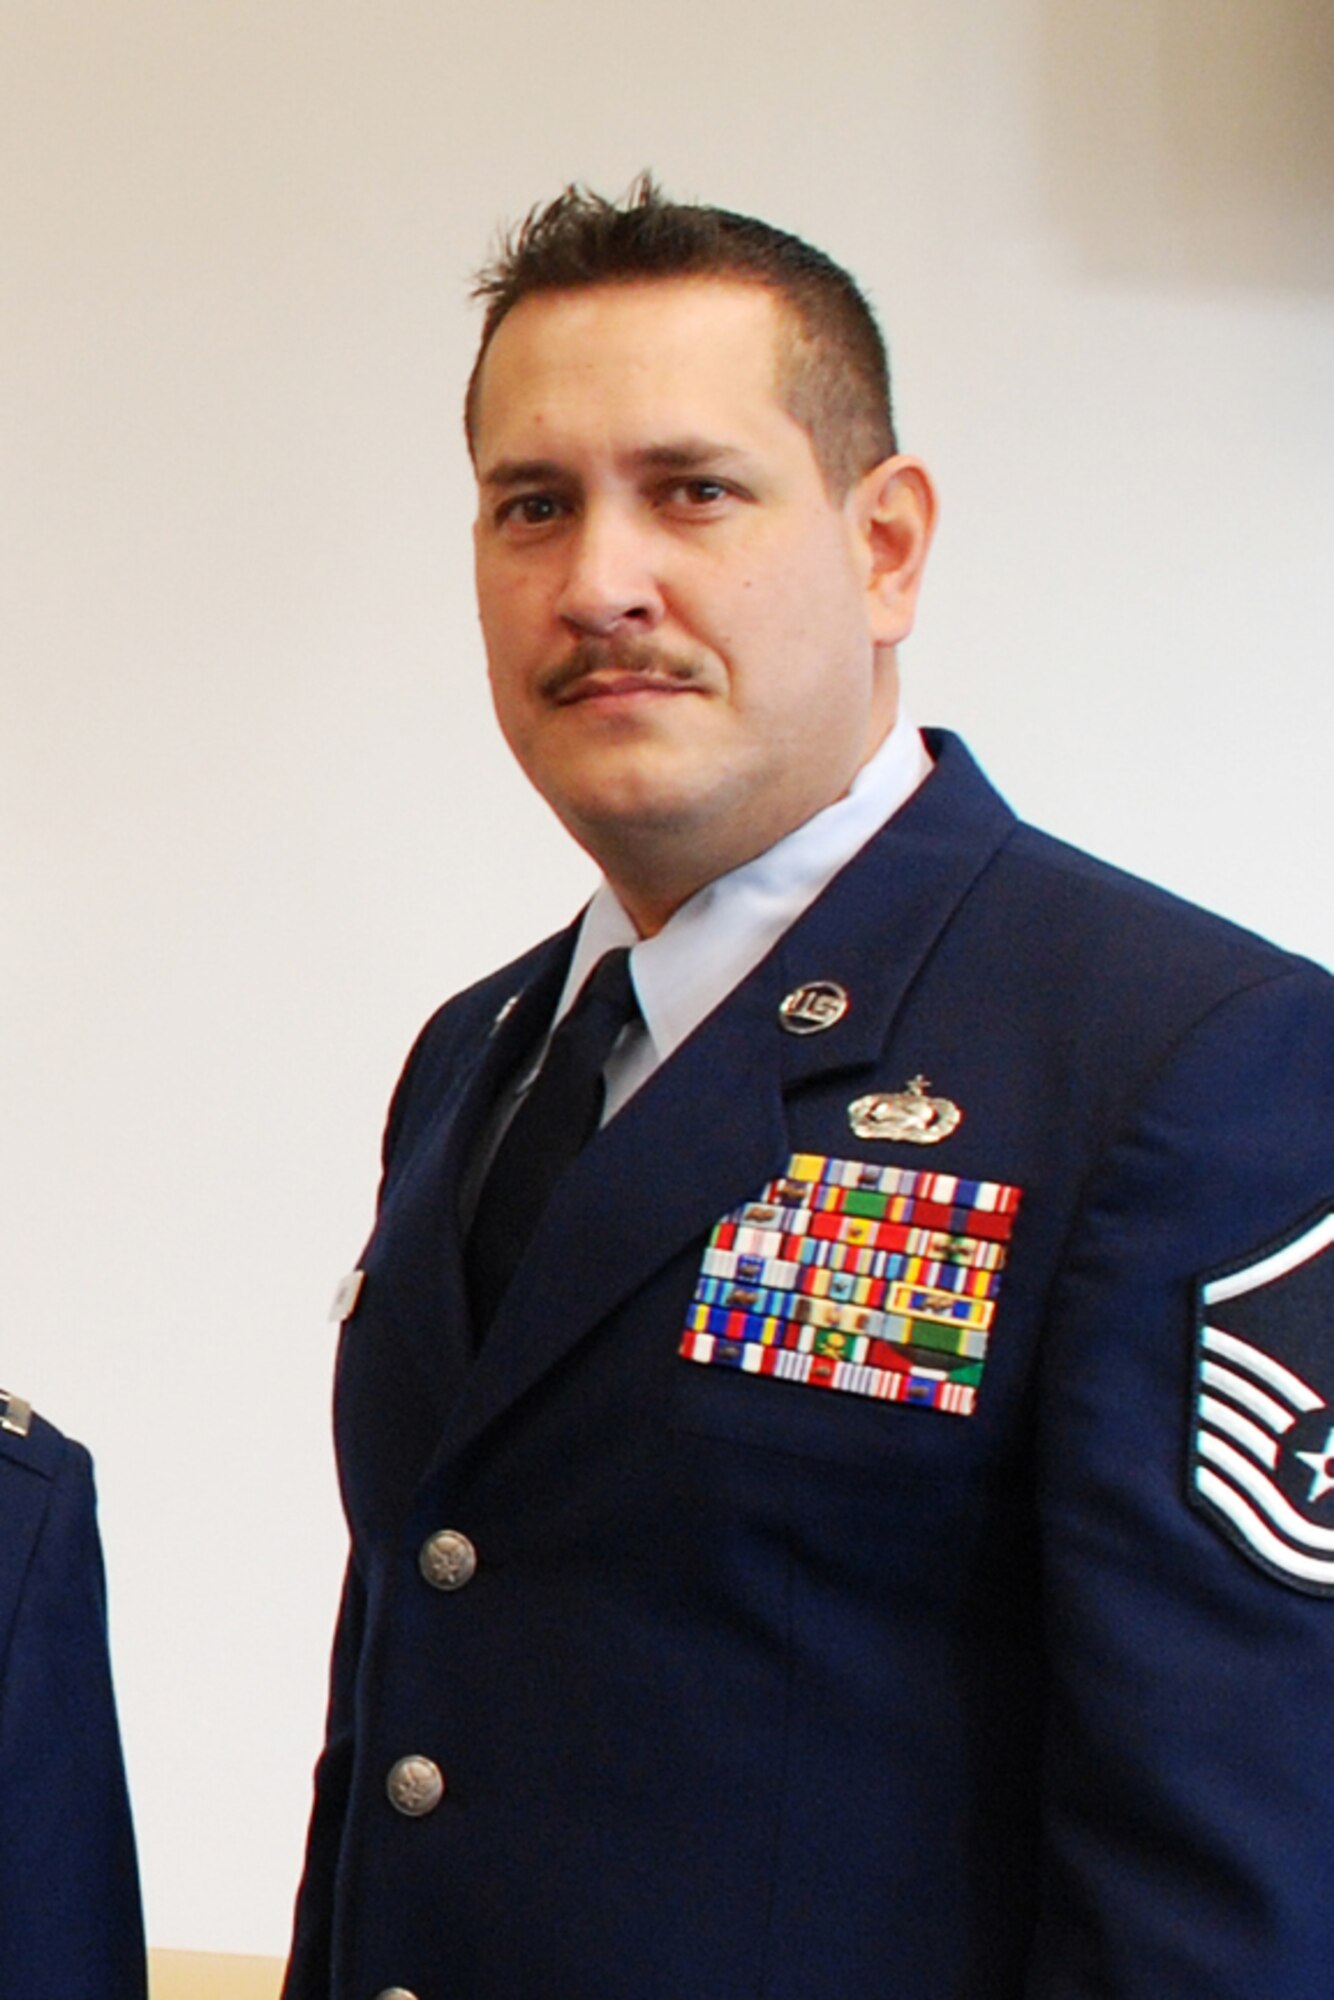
[(698, 493), (530, 510)]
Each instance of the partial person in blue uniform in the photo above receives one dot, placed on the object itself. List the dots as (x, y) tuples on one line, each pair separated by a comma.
[(71, 1926), (836, 1411)]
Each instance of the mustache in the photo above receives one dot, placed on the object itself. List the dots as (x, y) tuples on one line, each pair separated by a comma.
[(618, 656)]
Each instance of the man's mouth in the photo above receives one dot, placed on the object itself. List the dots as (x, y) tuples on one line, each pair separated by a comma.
[(600, 669), (614, 685)]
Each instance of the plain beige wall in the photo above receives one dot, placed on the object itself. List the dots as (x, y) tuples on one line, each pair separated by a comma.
[(254, 822)]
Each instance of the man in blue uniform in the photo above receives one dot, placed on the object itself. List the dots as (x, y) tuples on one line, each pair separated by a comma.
[(70, 1921), (836, 1413)]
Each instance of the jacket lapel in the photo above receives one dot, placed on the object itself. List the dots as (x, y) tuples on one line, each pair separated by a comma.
[(711, 1126), (423, 1278)]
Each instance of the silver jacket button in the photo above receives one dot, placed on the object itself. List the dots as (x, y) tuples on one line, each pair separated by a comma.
[(447, 1559), (415, 1786)]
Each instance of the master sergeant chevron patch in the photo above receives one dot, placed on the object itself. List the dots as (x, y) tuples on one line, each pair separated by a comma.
[(1262, 1430)]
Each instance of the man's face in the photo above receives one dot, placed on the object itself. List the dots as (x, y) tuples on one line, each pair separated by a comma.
[(678, 619)]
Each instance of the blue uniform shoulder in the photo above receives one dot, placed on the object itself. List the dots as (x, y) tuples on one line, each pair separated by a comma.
[(1077, 902), (1092, 900), (28, 1443), (1114, 970)]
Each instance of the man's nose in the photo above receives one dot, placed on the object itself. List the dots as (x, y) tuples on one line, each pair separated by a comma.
[(610, 582)]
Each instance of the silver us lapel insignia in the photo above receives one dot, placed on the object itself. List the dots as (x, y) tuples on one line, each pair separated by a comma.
[(15, 1414), (1262, 1448), (346, 1296), (810, 1009), (907, 1116)]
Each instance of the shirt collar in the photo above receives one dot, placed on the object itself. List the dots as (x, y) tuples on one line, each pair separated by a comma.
[(723, 931)]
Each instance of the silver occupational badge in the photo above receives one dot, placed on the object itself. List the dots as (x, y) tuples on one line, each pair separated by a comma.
[(908, 1116), (810, 1009)]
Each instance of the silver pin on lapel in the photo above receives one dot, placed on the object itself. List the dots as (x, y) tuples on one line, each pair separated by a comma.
[(346, 1296), (907, 1116), (15, 1415), (810, 1009)]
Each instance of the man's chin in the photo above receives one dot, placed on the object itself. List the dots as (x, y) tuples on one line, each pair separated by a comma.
[(645, 807), (652, 813)]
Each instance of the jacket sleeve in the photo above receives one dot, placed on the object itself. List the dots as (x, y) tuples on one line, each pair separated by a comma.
[(309, 1969), (70, 1915), (1188, 1795)]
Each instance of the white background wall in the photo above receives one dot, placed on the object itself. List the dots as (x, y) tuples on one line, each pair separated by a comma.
[(254, 822)]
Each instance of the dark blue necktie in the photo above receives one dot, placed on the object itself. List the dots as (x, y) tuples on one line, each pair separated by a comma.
[(560, 1113)]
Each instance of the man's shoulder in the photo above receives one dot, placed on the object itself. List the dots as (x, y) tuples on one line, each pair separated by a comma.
[(43, 1474), (1092, 908), (30, 1445), (1043, 898)]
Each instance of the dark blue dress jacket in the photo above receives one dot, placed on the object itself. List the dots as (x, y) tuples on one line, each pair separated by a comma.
[(763, 1691), (70, 1921)]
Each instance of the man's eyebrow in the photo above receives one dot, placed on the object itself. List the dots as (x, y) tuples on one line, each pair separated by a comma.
[(523, 472), (688, 454)]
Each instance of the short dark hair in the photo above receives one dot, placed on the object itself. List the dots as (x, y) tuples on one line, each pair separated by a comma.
[(833, 373)]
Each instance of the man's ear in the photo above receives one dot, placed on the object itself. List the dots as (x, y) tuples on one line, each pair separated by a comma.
[(895, 512)]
